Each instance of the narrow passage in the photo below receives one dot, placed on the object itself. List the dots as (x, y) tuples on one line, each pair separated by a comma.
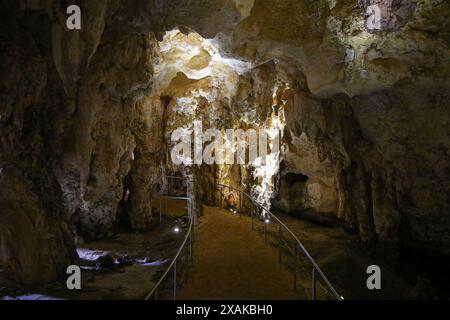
[(232, 262)]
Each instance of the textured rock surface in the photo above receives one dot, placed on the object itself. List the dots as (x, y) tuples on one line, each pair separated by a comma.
[(372, 106), (74, 114), (109, 118), (36, 243), (393, 14), (308, 183)]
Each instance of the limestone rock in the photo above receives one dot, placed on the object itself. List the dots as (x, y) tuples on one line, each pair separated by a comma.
[(78, 107)]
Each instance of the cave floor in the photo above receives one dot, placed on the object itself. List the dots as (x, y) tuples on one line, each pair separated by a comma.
[(344, 260), (232, 262), (149, 252)]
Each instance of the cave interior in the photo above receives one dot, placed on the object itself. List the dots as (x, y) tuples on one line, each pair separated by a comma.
[(361, 173)]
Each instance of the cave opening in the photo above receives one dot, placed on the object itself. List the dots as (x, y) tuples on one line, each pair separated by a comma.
[(292, 178), (123, 207)]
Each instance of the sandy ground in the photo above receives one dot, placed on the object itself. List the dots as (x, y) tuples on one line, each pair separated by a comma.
[(232, 262), (245, 268)]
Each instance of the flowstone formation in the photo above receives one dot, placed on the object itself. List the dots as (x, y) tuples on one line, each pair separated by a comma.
[(202, 90), (87, 116)]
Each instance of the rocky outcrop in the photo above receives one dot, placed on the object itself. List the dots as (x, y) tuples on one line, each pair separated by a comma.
[(36, 242), (357, 97), (146, 164), (308, 186), (103, 132), (73, 109), (375, 171)]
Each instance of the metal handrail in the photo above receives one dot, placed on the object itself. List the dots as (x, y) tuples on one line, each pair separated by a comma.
[(189, 237), (174, 178), (173, 264), (316, 268)]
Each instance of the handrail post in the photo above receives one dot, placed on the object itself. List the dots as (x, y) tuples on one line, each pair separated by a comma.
[(313, 284), (175, 281)]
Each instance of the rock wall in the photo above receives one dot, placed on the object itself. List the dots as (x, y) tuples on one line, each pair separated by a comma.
[(75, 111), (36, 242), (111, 120), (381, 155), (308, 186), (364, 99), (79, 106)]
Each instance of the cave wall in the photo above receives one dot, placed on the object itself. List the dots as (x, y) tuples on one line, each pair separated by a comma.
[(75, 105), (308, 187), (109, 123), (364, 99), (75, 110), (388, 149), (36, 242)]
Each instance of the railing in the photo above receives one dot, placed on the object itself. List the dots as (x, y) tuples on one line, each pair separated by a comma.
[(259, 211), (186, 246), (170, 183)]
